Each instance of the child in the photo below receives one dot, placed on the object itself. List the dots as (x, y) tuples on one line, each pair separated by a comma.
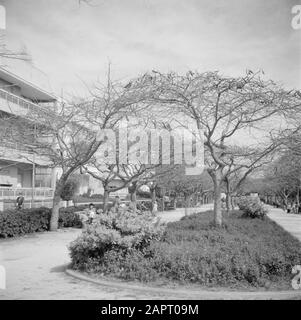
[(91, 212)]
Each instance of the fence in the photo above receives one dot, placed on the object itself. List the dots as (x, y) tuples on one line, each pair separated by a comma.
[(28, 193), (26, 205)]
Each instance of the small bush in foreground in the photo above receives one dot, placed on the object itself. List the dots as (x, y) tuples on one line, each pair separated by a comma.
[(69, 219), (252, 207), (114, 231), (245, 252)]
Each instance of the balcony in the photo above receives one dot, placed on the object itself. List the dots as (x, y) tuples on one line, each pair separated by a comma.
[(7, 193), (17, 152), (13, 104)]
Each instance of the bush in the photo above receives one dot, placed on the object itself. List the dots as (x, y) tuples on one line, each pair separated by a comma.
[(252, 207), (144, 205), (69, 218), (15, 223), (19, 222), (69, 189), (114, 231), (244, 253)]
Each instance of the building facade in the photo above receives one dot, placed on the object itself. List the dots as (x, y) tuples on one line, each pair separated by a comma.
[(23, 87)]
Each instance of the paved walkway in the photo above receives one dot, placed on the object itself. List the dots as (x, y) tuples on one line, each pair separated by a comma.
[(35, 267), (174, 215), (289, 222)]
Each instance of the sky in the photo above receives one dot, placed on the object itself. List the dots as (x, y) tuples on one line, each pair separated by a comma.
[(73, 43)]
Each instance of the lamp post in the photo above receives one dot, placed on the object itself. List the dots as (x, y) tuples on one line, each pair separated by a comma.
[(33, 169)]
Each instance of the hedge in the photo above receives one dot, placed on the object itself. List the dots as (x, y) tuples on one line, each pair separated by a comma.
[(16, 223)]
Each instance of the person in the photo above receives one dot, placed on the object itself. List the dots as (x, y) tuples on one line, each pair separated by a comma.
[(288, 208), (84, 219), (155, 207), (91, 212), (293, 208), (19, 201), (116, 204)]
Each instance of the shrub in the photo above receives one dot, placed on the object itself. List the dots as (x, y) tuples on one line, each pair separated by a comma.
[(252, 207), (245, 252), (69, 189), (114, 231), (15, 223), (19, 222), (144, 205), (69, 218)]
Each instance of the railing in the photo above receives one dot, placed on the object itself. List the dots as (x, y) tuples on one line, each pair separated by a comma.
[(27, 204), (13, 193), (23, 103), (14, 146)]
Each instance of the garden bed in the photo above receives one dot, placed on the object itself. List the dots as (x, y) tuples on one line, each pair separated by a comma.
[(244, 254)]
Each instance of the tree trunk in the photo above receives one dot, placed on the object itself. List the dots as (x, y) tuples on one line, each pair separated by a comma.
[(134, 199), (297, 199), (106, 195), (187, 201), (233, 202), (217, 182), (175, 203), (153, 196), (285, 200), (56, 203), (228, 196), (228, 203)]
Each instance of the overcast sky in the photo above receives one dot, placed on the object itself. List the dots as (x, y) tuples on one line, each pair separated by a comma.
[(73, 43)]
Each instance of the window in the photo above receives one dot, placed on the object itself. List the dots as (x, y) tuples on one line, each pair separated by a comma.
[(43, 177)]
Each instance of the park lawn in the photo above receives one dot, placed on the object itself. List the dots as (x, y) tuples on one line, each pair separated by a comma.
[(245, 254)]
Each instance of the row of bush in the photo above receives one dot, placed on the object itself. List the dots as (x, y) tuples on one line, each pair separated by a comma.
[(245, 252), (18, 222), (252, 207)]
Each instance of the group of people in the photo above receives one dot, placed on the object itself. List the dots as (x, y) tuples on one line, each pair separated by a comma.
[(89, 215), (292, 208)]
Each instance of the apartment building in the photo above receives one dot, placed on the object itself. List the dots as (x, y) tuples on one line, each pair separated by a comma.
[(23, 87)]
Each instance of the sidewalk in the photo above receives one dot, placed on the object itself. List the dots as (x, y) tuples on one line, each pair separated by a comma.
[(174, 215), (289, 222), (35, 268)]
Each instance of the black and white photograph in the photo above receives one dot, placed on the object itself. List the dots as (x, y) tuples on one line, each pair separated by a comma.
[(150, 150)]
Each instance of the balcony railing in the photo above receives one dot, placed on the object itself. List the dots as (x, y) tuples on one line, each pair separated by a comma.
[(13, 103), (13, 193)]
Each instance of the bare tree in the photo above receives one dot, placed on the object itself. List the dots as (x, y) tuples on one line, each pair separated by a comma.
[(244, 161), (223, 108), (67, 136), (180, 184)]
